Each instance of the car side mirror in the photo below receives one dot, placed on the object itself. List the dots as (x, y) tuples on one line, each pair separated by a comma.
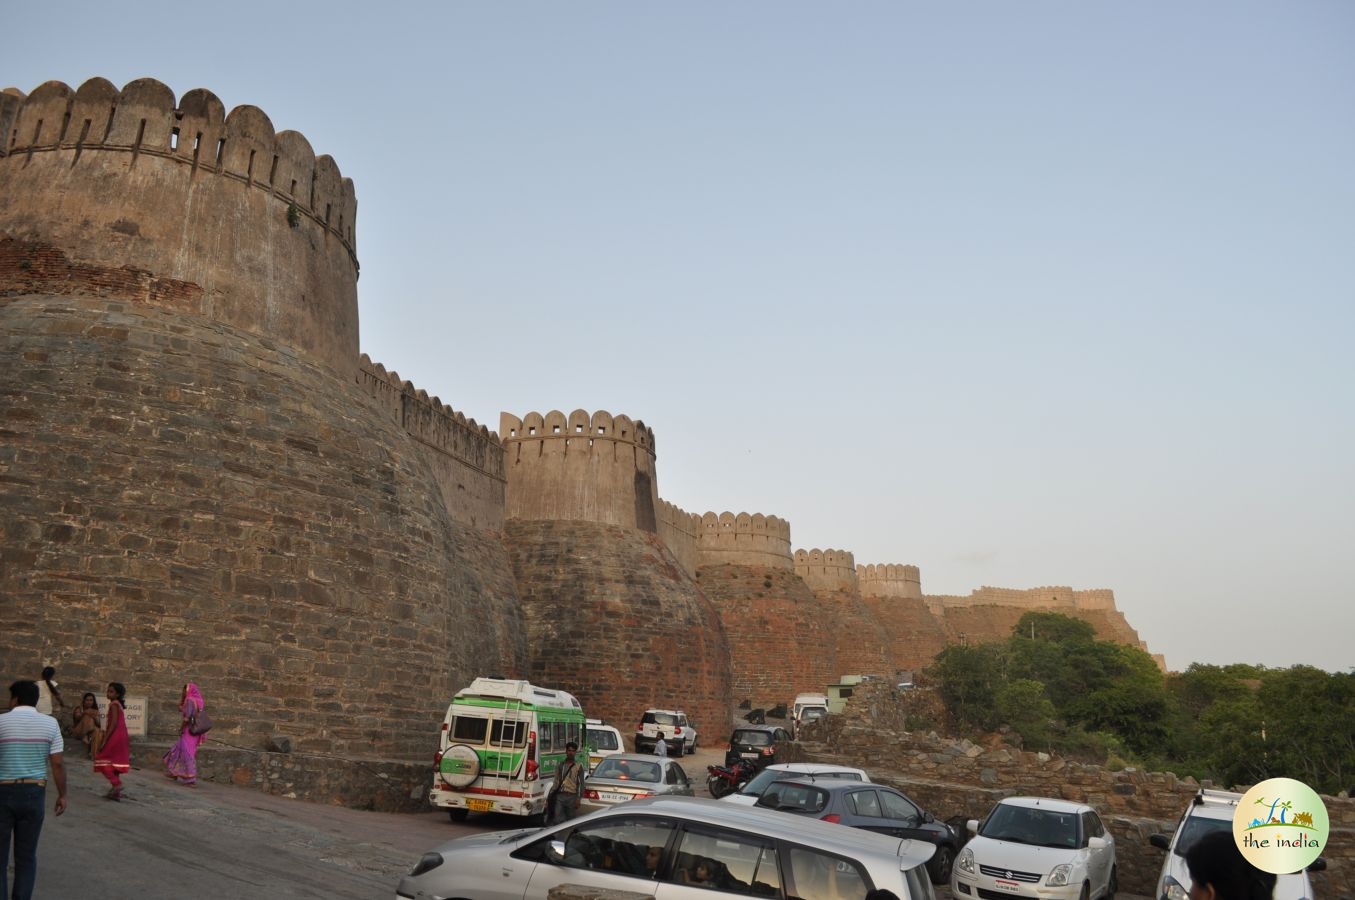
[(1160, 841), (1097, 843), (928, 817), (1318, 865), (972, 826)]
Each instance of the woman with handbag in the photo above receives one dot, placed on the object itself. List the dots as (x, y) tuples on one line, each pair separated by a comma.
[(115, 753), (182, 759)]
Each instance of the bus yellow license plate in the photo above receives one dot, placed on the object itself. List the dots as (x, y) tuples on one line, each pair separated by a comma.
[(480, 805)]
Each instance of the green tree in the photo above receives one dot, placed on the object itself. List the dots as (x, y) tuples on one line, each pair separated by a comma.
[(968, 678), (1022, 704)]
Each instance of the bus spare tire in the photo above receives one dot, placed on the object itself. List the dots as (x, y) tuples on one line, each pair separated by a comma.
[(460, 766)]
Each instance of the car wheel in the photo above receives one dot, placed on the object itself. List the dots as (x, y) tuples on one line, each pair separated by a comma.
[(940, 864), (457, 815), (1086, 891), (1113, 885)]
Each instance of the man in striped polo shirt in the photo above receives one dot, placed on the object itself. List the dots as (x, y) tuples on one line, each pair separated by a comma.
[(28, 742)]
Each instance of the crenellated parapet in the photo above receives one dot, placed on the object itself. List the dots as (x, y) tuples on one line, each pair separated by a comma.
[(890, 580), (679, 530), (1051, 598), (749, 539), (594, 467), (131, 195), (827, 570), (467, 459)]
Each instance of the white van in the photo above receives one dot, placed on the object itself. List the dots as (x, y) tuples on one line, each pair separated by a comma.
[(500, 745), (806, 707), (603, 741)]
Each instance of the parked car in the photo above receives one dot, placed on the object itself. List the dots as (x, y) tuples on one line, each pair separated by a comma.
[(872, 807), (603, 741), (633, 776), (1037, 847), (809, 715), (1211, 810), (678, 731), (654, 847), (749, 793), (764, 744)]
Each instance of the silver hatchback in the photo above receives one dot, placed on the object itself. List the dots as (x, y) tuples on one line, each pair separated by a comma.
[(678, 848)]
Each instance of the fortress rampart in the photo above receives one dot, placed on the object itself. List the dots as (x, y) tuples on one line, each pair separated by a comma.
[(132, 196), (744, 539), (465, 458), (1052, 598), (594, 468), (203, 478), (890, 580), (679, 529), (826, 570)]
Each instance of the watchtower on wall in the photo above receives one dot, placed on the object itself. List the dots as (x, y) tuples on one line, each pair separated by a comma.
[(593, 468), (180, 206)]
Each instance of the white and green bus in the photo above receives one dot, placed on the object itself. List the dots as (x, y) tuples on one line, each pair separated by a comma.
[(501, 743)]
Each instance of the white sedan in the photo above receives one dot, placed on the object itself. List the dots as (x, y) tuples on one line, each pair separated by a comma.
[(1037, 847)]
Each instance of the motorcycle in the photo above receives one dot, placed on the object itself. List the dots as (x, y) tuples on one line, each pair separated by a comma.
[(729, 778)]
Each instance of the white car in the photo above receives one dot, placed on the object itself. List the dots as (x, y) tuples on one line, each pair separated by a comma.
[(675, 848), (1208, 811), (748, 794), (603, 741), (1037, 847), (678, 732)]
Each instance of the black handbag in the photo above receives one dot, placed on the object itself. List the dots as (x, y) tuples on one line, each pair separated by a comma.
[(201, 723)]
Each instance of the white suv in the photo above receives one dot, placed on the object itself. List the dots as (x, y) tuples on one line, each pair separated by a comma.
[(1210, 811), (678, 732)]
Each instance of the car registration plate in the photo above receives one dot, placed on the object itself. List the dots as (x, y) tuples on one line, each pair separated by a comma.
[(613, 796), (746, 755), (1010, 887), (480, 805)]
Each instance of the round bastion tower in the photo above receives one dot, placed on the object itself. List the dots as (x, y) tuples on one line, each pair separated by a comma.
[(179, 206), (199, 481), (612, 615)]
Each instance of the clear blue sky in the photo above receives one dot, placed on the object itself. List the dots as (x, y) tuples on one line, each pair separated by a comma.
[(1021, 293)]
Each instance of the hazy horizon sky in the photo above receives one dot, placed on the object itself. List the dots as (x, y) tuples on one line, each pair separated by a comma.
[(1021, 294)]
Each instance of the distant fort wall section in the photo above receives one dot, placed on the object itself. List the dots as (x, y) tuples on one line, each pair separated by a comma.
[(826, 570), (1051, 598), (591, 467), (130, 195), (890, 580), (466, 459), (744, 539)]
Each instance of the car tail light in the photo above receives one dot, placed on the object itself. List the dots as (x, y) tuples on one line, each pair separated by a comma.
[(768, 751), (834, 818), (590, 794), (643, 794), (677, 730), (533, 767), (437, 760)]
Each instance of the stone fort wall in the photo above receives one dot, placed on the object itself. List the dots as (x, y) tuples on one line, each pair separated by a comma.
[(204, 479)]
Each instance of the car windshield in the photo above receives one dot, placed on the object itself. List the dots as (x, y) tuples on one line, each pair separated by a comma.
[(602, 740), (758, 784), (1196, 827), (1027, 825), (753, 738)]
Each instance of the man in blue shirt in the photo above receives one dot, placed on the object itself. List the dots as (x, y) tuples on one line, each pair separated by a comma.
[(29, 741)]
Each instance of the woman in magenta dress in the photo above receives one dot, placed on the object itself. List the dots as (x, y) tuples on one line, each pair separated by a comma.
[(115, 753), (182, 759)]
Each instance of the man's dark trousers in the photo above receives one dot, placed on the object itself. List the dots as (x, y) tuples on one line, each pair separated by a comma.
[(22, 807)]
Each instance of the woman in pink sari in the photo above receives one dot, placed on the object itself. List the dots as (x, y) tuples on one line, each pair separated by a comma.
[(115, 754), (182, 758)]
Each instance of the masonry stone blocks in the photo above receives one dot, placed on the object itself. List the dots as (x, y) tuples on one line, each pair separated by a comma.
[(203, 478)]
